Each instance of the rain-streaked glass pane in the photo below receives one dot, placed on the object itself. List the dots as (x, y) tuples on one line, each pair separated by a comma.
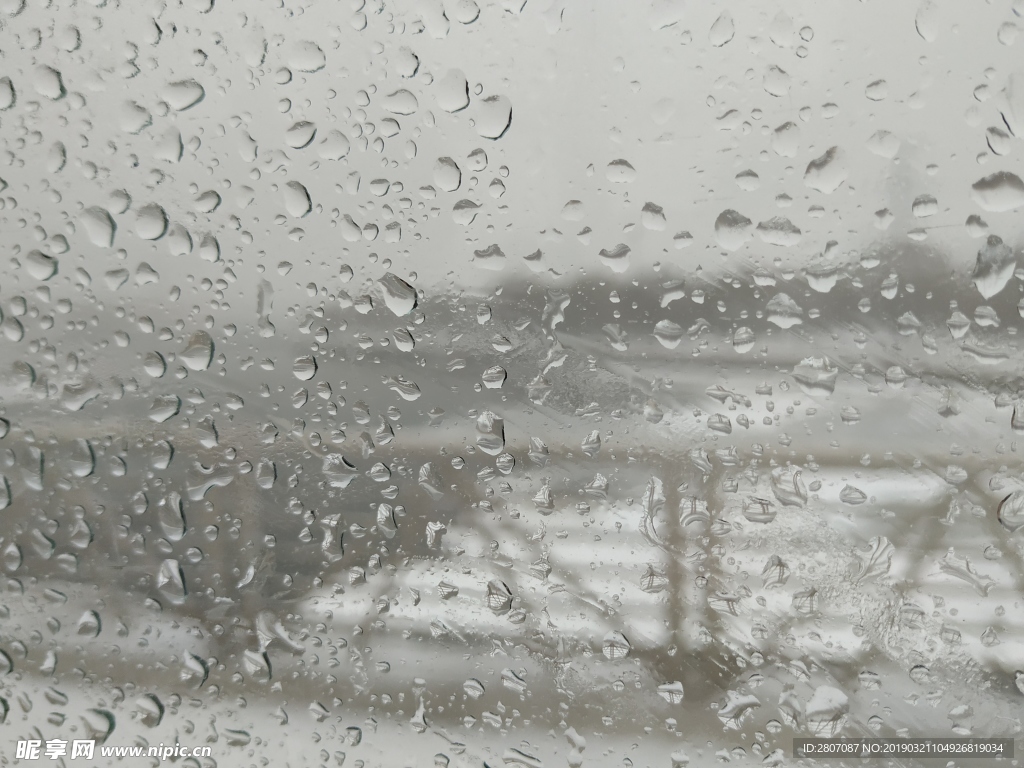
[(508, 383)]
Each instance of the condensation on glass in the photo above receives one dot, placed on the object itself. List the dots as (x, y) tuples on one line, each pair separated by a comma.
[(520, 383)]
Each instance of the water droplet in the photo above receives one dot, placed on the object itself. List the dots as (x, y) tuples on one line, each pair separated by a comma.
[(399, 296), (783, 311), (620, 172), (732, 230), (296, 199), (466, 11), (48, 82), (150, 222), (826, 711), (490, 433), (405, 388), (653, 217), (775, 573), (743, 340), (266, 474), (334, 146), (183, 94), (401, 102), (668, 333), (994, 267), (828, 172), (494, 377), (98, 724), (851, 495), (924, 206), (786, 140), (306, 56), (491, 258), (7, 93), (927, 21), (447, 175), (779, 231), (40, 266), (615, 646), (722, 31), (1011, 511), (877, 90), (777, 81), (816, 375), (494, 117), (883, 144), (99, 226), (164, 407), (170, 581), (671, 692), (300, 135), (1001, 191), (304, 367), (453, 91), (748, 180), (737, 709), (198, 353), (617, 258)]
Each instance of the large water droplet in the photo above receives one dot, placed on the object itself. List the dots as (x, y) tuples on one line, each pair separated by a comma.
[(883, 144), (334, 146), (399, 296), (170, 580), (99, 226), (777, 81), (620, 172), (7, 93), (732, 230), (296, 199), (198, 353), (304, 367), (826, 711), (179, 241), (994, 267), (786, 140), (743, 339), (494, 116), (783, 311), (453, 91), (828, 172), (48, 82), (615, 646), (40, 266), (779, 231), (490, 433), (668, 333), (150, 222), (617, 258), (1001, 191), (852, 495), (164, 407), (1011, 511), (447, 176), (927, 20), (816, 375), (183, 94), (306, 56), (491, 258), (722, 31), (401, 102)]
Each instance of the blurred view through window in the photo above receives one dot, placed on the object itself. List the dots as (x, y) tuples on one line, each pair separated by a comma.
[(442, 383)]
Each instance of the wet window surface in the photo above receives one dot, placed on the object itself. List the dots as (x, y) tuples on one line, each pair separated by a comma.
[(517, 383)]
